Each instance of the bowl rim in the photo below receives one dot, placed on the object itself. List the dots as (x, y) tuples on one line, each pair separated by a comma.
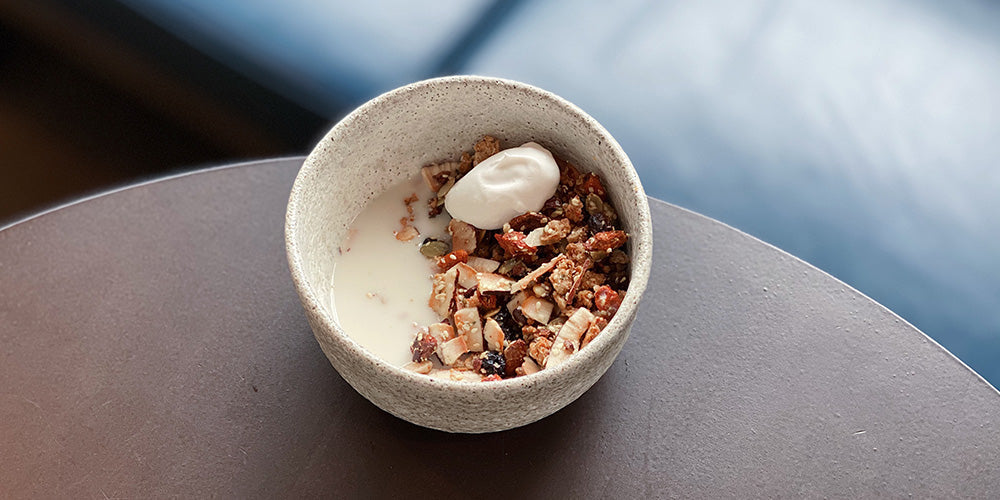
[(641, 243)]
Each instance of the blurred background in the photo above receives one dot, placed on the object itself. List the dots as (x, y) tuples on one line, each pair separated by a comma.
[(861, 136)]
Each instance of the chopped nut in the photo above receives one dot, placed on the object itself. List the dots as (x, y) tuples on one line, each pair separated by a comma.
[(607, 300), (528, 221), (514, 354), (485, 148), (607, 240), (555, 230), (577, 235), (423, 367), (591, 184), (592, 331), (432, 174), (463, 236), (534, 238), (541, 289), (407, 232), (574, 209), (539, 349), (467, 325)]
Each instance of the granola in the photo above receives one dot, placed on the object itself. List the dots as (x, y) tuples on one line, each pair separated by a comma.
[(526, 297)]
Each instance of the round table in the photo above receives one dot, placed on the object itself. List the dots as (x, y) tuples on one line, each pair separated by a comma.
[(153, 345)]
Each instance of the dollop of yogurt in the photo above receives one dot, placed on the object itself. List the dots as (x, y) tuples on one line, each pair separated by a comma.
[(503, 186)]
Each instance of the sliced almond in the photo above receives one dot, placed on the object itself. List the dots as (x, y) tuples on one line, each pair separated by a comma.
[(466, 275)]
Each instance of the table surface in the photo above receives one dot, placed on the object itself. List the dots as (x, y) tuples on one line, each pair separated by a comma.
[(153, 344)]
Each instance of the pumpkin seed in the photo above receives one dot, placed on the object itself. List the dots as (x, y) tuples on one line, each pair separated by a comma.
[(432, 248)]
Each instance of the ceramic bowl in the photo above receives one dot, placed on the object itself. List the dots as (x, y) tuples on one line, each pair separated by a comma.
[(390, 138)]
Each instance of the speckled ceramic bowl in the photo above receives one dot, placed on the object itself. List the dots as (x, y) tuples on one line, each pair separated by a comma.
[(389, 138)]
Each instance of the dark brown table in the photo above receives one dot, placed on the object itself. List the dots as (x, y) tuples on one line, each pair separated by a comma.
[(152, 345)]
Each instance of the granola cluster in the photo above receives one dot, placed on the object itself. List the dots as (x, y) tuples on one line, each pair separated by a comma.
[(525, 297)]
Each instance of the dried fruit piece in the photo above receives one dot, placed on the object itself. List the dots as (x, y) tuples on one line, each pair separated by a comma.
[(528, 221), (513, 244), (606, 240), (467, 325), (424, 345), (452, 258), (490, 363), (591, 184)]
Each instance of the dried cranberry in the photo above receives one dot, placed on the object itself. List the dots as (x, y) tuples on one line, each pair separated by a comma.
[(490, 363), (511, 330), (599, 222)]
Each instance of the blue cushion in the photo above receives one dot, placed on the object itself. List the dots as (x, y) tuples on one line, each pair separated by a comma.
[(859, 136)]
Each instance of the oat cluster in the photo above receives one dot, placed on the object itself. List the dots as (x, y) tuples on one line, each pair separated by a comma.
[(526, 297)]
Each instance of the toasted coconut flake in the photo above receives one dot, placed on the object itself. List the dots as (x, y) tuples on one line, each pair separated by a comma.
[(522, 283), (468, 326), (466, 275), (490, 282), (567, 341), (537, 309), (483, 265), (450, 351), (443, 292), (493, 335)]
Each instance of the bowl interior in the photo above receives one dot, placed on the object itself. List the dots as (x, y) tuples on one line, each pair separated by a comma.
[(394, 135)]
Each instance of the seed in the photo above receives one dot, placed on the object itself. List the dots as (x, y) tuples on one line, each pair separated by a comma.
[(594, 204), (432, 248)]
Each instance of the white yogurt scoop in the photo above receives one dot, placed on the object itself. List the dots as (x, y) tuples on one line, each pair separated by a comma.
[(503, 186)]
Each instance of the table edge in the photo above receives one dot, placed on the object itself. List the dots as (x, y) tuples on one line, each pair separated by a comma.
[(653, 202)]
